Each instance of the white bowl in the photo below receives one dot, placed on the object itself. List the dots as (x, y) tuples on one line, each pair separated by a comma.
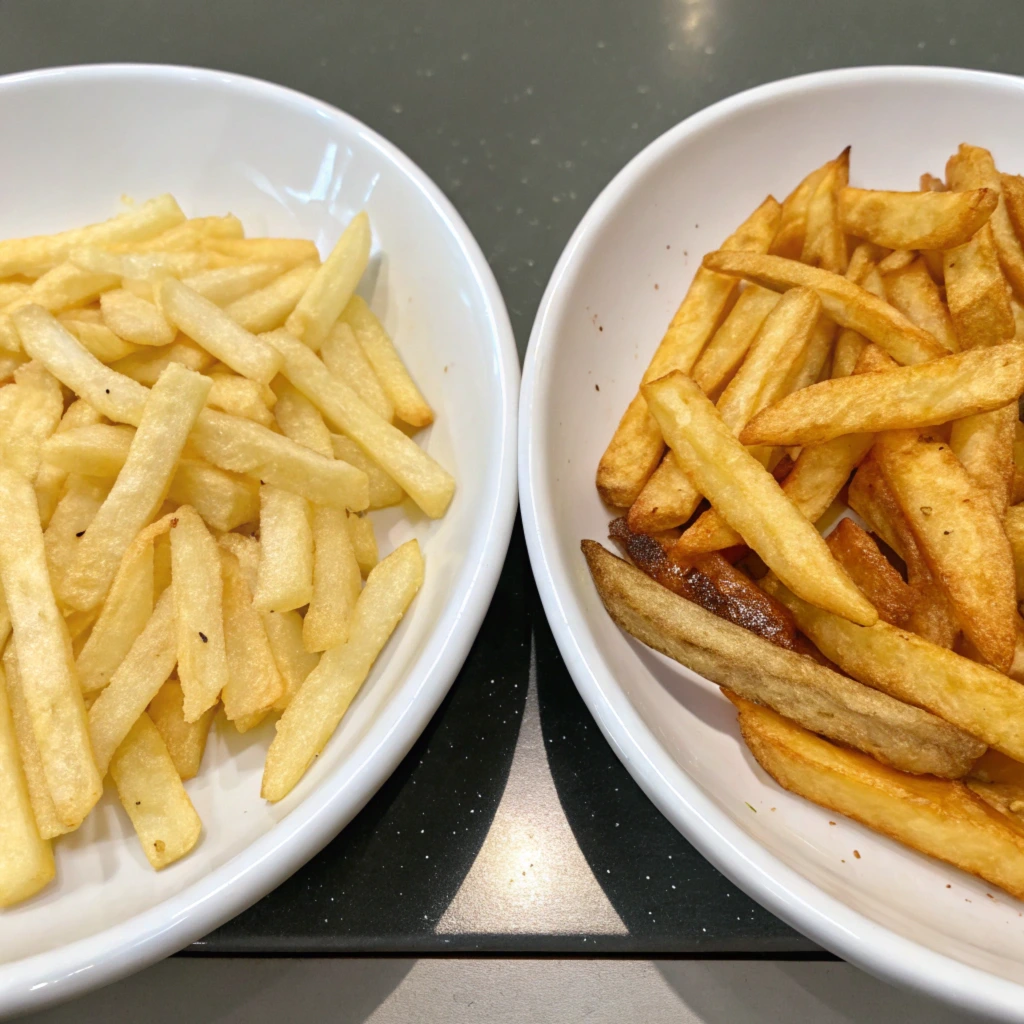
[(899, 915), (75, 140)]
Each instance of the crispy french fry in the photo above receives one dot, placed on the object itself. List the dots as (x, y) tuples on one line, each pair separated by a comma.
[(172, 408), (224, 285), (336, 581), (239, 396), (315, 711), (792, 229), (430, 486), (268, 308), (50, 684), (984, 445), (636, 447), (285, 578), (810, 365), (213, 329), (941, 818), (294, 662), (913, 292), (825, 242), (845, 302), (978, 296), (344, 357), (35, 410), (135, 319), (1013, 524), (897, 260), (916, 220), (750, 500), (924, 395), (895, 733), (185, 741), (364, 543), (152, 795), (960, 536)]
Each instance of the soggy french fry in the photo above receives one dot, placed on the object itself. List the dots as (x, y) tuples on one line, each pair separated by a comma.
[(285, 578), (83, 498), (31, 414), (223, 285), (825, 241), (145, 365), (291, 251), (294, 662), (978, 296), (268, 308), (344, 357), (135, 319), (185, 741), (100, 340), (98, 449), (300, 420), (336, 581), (239, 396), (364, 543), (913, 292)]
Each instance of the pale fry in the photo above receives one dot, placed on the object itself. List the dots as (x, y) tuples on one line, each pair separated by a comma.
[(239, 396), (83, 498), (213, 329), (430, 486), (172, 408), (364, 543), (978, 297), (285, 578), (344, 357), (845, 302), (261, 250), (294, 662), (825, 241), (636, 447), (223, 285), (225, 500), (185, 741), (187, 235), (50, 479), (51, 687), (924, 395), (333, 284), (267, 308), (145, 365), (99, 449), (139, 267), (916, 220), (37, 404), (336, 581), (749, 499), (300, 420), (315, 711), (153, 797), (135, 319), (913, 292)]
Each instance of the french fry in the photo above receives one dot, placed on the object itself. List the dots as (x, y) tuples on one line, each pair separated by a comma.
[(223, 285), (916, 220), (254, 684), (300, 420), (136, 682), (239, 396), (268, 308), (315, 711), (97, 449), (344, 357), (636, 447), (50, 479), (845, 302), (285, 578), (199, 617), (792, 229), (139, 267), (825, 242), (34, 412), (924, 395), (364, 543), (224, 500), (187, 235), (984, 445), (929, 183), (747, 496), (26, 860), (430, 486), (810, 365), (145, 365), (978, 296), (185, 741), (152, 795), (667, 500), (336, 581), (883, 586), (170, 412), (215, 330), (293, 661), (291, 251), (960, 536), (57, 290), (50, 685), (913, 292), (333, 284), (897, 260), (83, 498), (941, 818), (796, 686), (135, 319), (408, 403), (1013, 524)]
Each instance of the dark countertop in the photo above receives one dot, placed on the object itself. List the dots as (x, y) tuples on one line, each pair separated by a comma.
[(511, 826)]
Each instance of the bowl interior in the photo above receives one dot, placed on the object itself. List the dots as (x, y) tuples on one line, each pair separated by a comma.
[(77, 141), (616, 289)]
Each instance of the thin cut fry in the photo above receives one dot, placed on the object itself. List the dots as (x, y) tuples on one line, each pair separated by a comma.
[(364, 543), (294, 662)]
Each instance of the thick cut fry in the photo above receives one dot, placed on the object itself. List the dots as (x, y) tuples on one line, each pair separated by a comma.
[(315, 711), (267, 308), (50, 685), (135, 683), (333, 284), (749, 499), (146, 364), (28, 417), (344, 357), (916, 220), (294, 662), (336, 581), (941, 818), (364, 542), (286, 552), (845, 302), (224, 500), (135, 319), (984, 445), (430, 486), (1013, 524), (195, 579), (825, 242), (925, 395), (169, 414), (185, 741), (792, 229), (973, 167), (242, 446), (409, 404), (979, 300), (794, 685), (254, 683), (26, 860), (239, 396), (913, 292), (152, 795), (213, 329), (724, 353), (960, 536), (34, 255), (224, 285), (300, 420), (883, 586), (636, 447)]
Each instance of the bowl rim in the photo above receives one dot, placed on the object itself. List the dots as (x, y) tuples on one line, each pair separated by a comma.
[(749, 865), (86, 963)]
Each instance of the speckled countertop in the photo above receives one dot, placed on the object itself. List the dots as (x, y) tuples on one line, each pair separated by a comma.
[(511, 825)]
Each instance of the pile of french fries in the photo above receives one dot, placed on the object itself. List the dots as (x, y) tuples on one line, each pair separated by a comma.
[(821, 480), (193, 425)]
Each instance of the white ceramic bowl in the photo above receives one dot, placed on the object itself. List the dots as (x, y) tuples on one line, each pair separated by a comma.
[(75, 140), (899, 915)]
